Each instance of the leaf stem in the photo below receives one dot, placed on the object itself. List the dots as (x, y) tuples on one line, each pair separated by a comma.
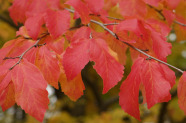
[(21, 56)]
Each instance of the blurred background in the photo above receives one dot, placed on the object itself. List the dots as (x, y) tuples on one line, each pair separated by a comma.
[(93, 106)]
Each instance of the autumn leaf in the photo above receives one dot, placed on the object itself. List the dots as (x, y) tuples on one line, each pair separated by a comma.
[(30, 89), (33, 25), (81, 9), (57, 22), (17, 10), (133, 8), (48, 65), (85, 50), (147, 74), (95, 5), (182, 92)]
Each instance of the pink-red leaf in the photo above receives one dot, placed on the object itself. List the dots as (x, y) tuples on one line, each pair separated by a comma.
[(7, 97), (75, 58), (33, 25), (30, 89), (95, 5), (182, 92), (106, 66), (145, 75), (156, 86), (57, 22), (48, 65), (133, 8), (81, 9), (129, 90), (18, 9), (85, 50)]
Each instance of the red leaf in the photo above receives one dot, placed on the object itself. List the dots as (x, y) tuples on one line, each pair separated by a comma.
[(18, 9), (156, 87), (182, 92), (133, 8), (57, 22), (152, 2), (129, 90), (85, 50), (33, 25), (48, 65), (73, 88), (106, 66), (160, 46), (82, 10), (7, 97), (36, 7), (30, 89), (7, 93), (83, 32), (172, 3), (169, 15), (95, 5), (55, 45), (75, 58), (168, 74)]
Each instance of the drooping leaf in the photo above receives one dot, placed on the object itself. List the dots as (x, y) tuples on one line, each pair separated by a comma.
[(81, 9), (129, 90), (7, 97), (172, 3), (106, 66), (83, 32), (57, 22), (95, 5), (48, 65), (7, 92), (72, 88), (182, 92), (18, 9), (75, 58), (133, 8), (55, 45), (30, 89), (156, 86), (33, 25), (152, 2), (85, 50), (145, 75)]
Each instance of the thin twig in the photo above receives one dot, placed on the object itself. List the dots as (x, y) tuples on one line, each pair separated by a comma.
[(21, 56), (114, 35), (110, 24), (114, 18), (160, 12), (149, 56), (182, 24)]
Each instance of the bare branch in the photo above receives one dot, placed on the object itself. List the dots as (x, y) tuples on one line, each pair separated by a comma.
[(114, 35), (182, 24), (21, 56), (110, 24), (114, 18)]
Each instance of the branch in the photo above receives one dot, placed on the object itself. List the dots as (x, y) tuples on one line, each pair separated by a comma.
[(149, 56), (141, 51), (179, 23), (160, 12), (21, 56)]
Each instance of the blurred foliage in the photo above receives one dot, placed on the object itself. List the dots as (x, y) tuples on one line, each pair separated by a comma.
[(94, 107)]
